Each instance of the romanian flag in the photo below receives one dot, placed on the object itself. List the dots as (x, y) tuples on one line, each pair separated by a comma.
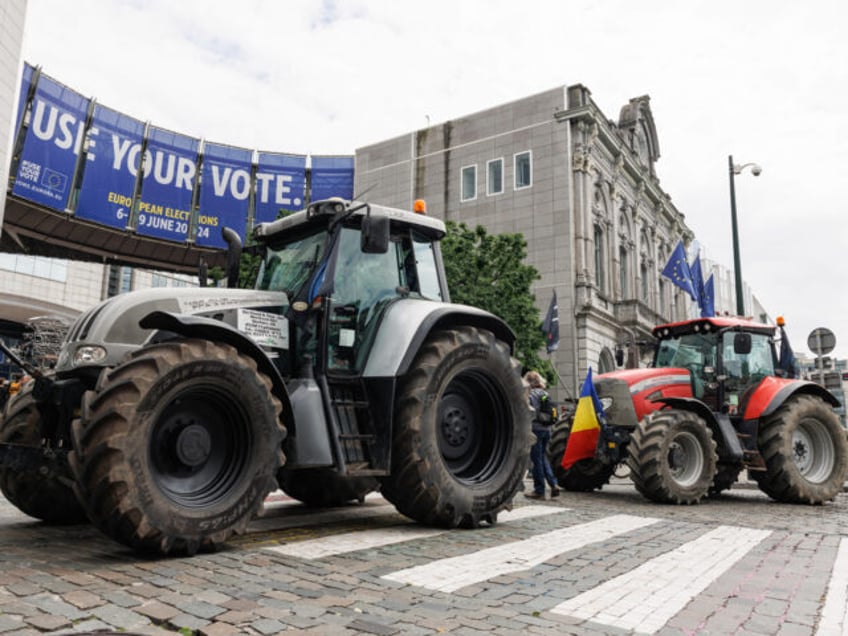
[(586, 426)]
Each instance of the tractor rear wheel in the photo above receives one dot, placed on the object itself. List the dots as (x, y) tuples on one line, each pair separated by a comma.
[(178, 447), (324, 487), (805, 451), (44, 492), (585, 475), (672, 457), (461, 433)]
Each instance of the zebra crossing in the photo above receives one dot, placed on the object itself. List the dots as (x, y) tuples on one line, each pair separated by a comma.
[(644, 599)]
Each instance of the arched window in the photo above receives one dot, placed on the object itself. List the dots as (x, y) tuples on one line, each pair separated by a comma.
[(606, 361), (624, 273), (600, 262)]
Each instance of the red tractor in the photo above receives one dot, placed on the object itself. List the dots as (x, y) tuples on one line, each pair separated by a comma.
[(714, 402)]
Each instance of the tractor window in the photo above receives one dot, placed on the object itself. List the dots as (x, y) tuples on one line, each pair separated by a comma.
[(687, 351), (746, 369), (364, 285), (288, 266), (694, 352), (425, 266)]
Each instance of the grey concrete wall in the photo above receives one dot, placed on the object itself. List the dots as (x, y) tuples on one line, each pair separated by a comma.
[(12, 17)]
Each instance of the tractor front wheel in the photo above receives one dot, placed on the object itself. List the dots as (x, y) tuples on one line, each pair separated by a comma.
[(672, 457), (805, 452), (178, 447), (44, 492), (461, 431)]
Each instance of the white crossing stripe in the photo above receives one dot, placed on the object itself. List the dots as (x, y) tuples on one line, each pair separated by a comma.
[(293, 514), (378, 537), (834, 616), (448, 575), (648, 596)]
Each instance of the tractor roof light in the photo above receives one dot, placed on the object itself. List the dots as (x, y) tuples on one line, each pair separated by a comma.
[(419, 206)]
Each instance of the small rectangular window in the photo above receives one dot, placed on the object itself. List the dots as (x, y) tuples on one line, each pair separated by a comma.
[(494, 177), (469, 183), (523, 170)]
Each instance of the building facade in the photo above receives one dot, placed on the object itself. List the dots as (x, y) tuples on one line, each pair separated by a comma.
[(583, 191), (12, 17)]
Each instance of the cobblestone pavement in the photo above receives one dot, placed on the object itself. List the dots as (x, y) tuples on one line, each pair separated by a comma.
[(602, 563)]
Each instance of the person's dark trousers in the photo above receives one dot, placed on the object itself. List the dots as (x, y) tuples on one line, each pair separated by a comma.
[(541, 466)]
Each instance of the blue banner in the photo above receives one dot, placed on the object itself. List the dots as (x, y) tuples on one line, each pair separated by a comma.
[(109, 174), (26, 82), (332, 177), (280, 184), (53, 141), (170, 169), (50, 166), (225, 195)]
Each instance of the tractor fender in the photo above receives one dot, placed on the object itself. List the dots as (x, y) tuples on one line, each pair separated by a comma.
[(407, 323), (723, 431), (190, 326), (770, 394)]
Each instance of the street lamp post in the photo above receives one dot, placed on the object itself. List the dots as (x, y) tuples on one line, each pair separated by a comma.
[(735, 169)]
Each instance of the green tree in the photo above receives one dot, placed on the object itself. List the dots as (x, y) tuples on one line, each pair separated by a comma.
[(489, 272)]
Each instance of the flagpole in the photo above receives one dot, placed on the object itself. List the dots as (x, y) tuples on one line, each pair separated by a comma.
[(559, 379)]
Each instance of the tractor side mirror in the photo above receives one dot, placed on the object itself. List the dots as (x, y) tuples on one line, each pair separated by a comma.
[(742, 344), (375, 234)]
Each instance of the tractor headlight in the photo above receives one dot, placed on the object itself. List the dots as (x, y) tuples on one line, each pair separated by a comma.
[(89, 354)]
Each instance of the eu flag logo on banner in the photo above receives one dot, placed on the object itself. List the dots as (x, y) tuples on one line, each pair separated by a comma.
[(677, 269)]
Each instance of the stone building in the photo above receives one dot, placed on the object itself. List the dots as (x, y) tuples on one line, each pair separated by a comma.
[(583, 191)]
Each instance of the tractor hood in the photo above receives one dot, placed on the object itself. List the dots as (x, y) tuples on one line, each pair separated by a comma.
[(627, 395), (101, 336)]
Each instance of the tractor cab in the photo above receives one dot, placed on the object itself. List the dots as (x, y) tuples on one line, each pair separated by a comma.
[(342, 266), (725, 358)]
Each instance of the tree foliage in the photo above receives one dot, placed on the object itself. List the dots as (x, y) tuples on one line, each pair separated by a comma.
[(489, 272)]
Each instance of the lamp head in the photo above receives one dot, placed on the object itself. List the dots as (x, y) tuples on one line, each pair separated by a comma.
[(756, 170)]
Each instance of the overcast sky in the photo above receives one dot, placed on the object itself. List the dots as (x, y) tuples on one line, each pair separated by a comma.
[(764, 81)]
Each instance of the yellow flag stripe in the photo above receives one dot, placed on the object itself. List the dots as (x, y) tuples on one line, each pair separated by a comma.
[(585, 417)]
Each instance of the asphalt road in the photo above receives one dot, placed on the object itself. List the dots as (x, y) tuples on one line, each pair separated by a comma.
[(608, 562)]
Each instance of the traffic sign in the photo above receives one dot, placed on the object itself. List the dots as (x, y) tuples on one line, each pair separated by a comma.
[(821, 341)]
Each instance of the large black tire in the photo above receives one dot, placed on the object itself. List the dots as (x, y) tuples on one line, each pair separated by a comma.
[(461, 432), (672, 457), (178, 447), (45, 492), (324, 487), (585, 475), (805, 452)]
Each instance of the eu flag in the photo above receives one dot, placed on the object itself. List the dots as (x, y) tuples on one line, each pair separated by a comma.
[(677, 269), (551, 325), (787, 356), (697, 279), (708, 299)]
